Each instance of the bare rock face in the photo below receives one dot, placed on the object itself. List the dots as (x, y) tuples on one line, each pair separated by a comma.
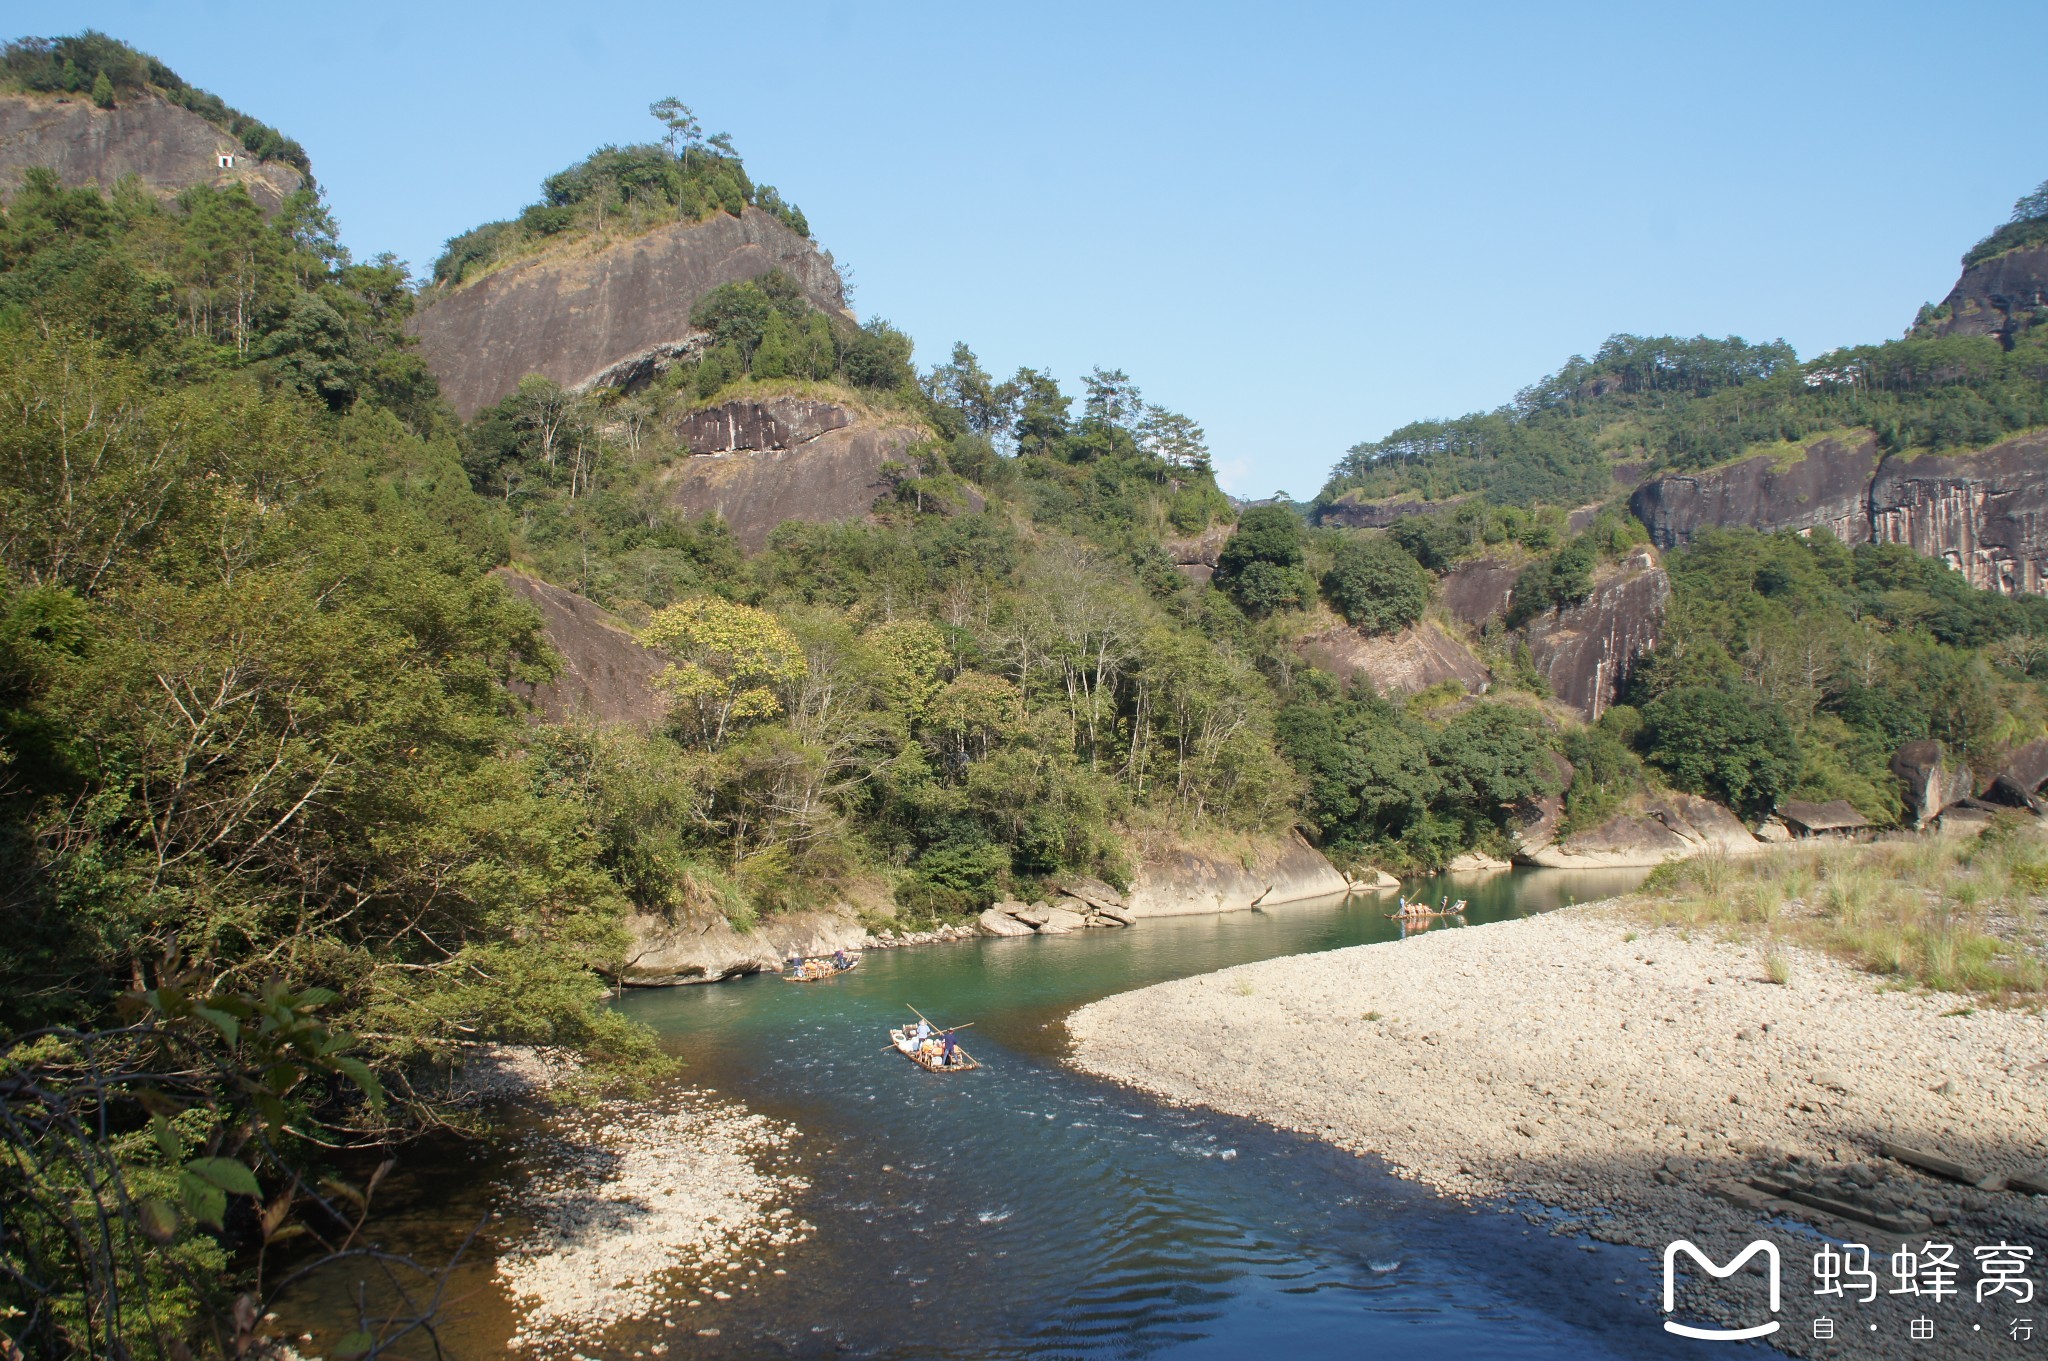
[(167, 148), (1350, 512), (2000, 296), (1827, 488), (1985, 514), (1401, 663), (1195, 558), (1586, 651), (607, 674), (706, 949), (996, 923), (579, 317), (1932, 781), (1187, 880), (1478, 590), (779, 423), (786, 459), (1672, 827)]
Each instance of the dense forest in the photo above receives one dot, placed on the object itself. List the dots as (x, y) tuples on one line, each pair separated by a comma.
[(278, 847)]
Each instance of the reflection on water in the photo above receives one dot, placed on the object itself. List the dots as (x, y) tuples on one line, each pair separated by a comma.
[(1029, 1211)]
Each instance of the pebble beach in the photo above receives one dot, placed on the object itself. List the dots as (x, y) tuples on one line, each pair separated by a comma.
[(1629, 1084)]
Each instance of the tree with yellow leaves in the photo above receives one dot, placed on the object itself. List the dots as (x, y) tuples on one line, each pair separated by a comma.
[(726, 663)]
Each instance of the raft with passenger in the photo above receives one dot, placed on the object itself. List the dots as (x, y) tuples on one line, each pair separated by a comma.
[(933, 1048), (1423, 911), (813, 970)]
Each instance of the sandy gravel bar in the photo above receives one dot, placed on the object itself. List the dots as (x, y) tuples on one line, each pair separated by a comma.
[(637, 1208), (1617, 1072)]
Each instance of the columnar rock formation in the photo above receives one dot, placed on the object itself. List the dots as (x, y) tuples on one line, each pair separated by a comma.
[(589, 314), (165, 148)]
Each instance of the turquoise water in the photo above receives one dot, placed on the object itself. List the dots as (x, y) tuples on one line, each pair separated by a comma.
[(1027, 1210)]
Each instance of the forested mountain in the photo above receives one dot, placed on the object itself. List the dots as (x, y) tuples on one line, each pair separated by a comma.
[(279, 845)]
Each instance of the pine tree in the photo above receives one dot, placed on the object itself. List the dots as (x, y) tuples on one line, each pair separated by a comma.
[(103, 91)]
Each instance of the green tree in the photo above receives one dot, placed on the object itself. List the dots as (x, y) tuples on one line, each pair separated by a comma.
[(1736, 748), (729, 662), (1375, 586), (1261, 565), (103, 91)]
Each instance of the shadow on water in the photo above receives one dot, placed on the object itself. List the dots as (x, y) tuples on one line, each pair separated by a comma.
[(1027, 1210)]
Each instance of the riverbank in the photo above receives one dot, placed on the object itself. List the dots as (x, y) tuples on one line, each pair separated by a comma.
[(640, 1212), (1617, 1072)]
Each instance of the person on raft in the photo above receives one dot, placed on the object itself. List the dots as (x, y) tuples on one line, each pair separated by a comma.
[(840, 960), (946, 1050)]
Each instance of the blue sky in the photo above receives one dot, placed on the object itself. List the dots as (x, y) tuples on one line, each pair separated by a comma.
[(1302, 224)]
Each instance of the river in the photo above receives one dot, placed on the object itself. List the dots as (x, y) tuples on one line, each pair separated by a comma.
[(1027, 1210)]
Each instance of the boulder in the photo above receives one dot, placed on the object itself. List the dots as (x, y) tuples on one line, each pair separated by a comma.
[(2025, 771), (1011, 907), (1931, 781), (1184, 880), (1091, 891), (1059, 921), (1033, 915), (1118, 916), (1476, 862), (998, 923), (1772, 831), (704, 948), (1671, 827), (1373, 880)]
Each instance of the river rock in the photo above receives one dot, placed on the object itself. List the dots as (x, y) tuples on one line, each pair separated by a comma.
[(1932, 781), (995, 922), (1011, 907), (1060, 920), (1091, 891), (1033, 915), (1477, 862), (1068, 903), (705, 948), (1185, 880), (1373, 880), (1670, 827), (1120, 916)]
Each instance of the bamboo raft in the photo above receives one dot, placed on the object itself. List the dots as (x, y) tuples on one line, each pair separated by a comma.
[(1418, 912), (816, 970), (928, 1058)]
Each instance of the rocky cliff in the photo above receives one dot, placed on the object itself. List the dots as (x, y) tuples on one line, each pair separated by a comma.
[(786, 458), (1828, 487), (1985, 514), (592, 314), (606, 673), (1349, 511), (1999, 297), (1585, 652), (1401, 663), (166, 148)]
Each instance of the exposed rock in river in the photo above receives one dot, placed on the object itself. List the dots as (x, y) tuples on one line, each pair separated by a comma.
[(166, 148), (585, 316), (1184, 880), (705, 949), (1669, 827)]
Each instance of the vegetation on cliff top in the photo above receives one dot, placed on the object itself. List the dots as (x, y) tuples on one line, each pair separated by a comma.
[(107, 70), (685, 177), (2028, 226)]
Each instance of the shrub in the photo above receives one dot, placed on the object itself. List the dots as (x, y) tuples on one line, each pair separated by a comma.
[(1376, 586)]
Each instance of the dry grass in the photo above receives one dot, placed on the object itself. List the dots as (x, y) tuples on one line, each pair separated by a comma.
[(1952, 913)]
